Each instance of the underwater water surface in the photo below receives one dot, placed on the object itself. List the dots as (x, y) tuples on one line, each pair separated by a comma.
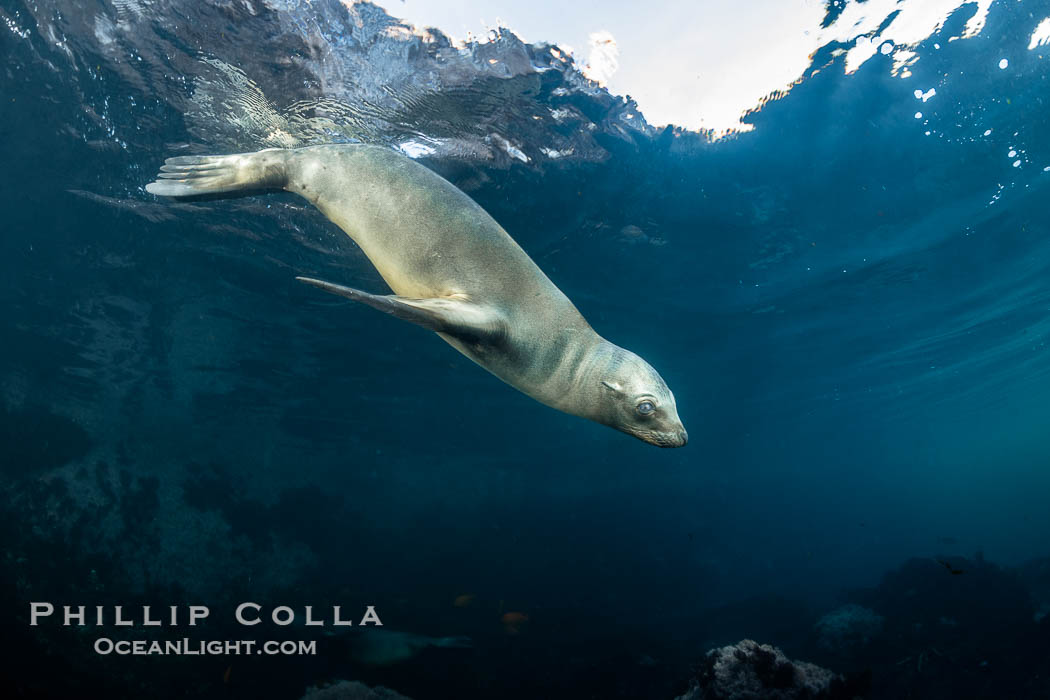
[(851, 302)]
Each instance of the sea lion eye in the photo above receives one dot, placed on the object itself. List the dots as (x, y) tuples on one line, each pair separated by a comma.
[(646, 407)]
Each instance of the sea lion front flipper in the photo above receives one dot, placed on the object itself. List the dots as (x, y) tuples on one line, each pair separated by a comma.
[(457, 317)]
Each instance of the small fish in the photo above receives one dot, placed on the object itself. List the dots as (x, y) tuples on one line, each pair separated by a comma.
[(379, 647), (463, 601), (226, 675), (950, 568), (514, 622)]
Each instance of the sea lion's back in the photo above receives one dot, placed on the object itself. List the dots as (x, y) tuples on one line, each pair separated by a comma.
[(425, 236)]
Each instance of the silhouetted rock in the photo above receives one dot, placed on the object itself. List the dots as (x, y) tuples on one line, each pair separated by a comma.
[(848, 628), (955, 627), (1035, 575), (952, 592)]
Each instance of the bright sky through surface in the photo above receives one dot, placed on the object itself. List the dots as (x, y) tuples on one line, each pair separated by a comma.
[(699, 63)]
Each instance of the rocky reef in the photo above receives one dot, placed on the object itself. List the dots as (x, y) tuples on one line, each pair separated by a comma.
[(351, 690), (748, 670)]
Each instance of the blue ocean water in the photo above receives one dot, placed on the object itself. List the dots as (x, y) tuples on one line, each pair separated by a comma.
[(850, 303)]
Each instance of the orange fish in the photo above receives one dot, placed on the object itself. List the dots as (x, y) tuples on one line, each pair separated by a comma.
[(514, 622), (463, 601)]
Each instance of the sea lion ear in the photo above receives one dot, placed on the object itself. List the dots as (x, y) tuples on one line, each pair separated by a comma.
[(613, 387)]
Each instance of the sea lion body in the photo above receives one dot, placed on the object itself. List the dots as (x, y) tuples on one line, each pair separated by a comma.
[(428, 239), (453, 270)]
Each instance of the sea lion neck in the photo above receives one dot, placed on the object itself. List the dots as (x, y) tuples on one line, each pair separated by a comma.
[(589, 363)]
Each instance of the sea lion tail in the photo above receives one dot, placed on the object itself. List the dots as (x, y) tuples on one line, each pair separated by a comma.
[(190, 176)]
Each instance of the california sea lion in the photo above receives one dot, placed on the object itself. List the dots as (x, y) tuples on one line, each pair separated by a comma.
[(455, 271)]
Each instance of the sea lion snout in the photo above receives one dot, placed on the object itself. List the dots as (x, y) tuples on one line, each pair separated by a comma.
[(674, 438)]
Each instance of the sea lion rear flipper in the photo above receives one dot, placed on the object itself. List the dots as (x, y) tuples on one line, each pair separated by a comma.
[(456, 317), (192, 176)]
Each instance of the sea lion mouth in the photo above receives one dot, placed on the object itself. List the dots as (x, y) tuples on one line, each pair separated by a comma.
[(677, 438)]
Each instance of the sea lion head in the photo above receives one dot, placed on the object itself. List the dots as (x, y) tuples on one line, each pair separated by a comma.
[(633, 398)]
